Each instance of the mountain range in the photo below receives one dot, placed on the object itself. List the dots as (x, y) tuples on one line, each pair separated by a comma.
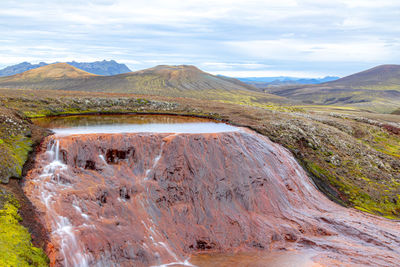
[(264, 82), (376, 89), (163, 80), (104, 67)]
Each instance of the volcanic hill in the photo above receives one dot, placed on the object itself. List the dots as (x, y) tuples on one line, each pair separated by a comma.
[(175, 81)]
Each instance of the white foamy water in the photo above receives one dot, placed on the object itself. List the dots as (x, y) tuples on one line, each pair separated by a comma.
[(73, 253), (201, 127)]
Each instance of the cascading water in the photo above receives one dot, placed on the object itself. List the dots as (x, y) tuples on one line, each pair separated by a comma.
[(61, 228), (155, 199)]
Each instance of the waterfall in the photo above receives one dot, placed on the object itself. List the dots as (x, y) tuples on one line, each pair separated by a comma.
[(61, 228), (149, 199)]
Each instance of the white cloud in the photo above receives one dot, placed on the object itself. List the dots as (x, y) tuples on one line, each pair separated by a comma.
[(274, 73), (224, 35), (365, 50), (228, 66)]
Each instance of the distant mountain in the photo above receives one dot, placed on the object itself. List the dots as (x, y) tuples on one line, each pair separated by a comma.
[(57, 71), (376, 89), (19, 68), (98, 67), (102, 67), (175, 81), (264, 82)]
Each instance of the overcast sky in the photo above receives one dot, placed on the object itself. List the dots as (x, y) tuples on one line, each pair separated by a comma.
[(303, 38)]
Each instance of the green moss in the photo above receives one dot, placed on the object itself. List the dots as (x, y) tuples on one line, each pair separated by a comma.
[(17, 149), (142, 101), (356, 197), (16, 248), (14, 152), (384, 142)]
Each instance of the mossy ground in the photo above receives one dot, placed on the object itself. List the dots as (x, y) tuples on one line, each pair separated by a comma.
[(358, 197), (16, 248)]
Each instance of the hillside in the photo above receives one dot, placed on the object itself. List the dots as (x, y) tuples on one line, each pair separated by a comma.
[(104, 67), (57, 71), (19, 68), (382, 77), (376, 89), (175, 81)]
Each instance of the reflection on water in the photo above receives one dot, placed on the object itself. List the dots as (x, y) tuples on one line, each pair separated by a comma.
[(87, 120), (87, 124), (255, 259)]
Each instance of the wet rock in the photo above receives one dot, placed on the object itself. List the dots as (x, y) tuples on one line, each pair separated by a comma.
[(211, 192)]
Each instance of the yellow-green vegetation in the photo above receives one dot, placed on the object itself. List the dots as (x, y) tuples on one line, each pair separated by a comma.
[(13, 154), (268, 106), (356, 195), (16, 248), (385, 142)]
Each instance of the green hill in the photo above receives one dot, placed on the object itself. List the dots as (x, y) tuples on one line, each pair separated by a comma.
[(176, 81), (376, 89)]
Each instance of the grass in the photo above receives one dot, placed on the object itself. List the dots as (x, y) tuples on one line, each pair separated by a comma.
[(16, 248)]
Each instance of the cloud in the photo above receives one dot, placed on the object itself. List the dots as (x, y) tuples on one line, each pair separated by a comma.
[(266, 73), (363, 50), (292, 36)]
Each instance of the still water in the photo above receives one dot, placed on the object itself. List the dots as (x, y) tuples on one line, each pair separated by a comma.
[(88, 124)]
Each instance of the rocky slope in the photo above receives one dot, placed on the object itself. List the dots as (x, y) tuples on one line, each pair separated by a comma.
[(145, 199)]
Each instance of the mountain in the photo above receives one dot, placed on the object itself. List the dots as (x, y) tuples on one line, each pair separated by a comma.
[(19, 68), (261, 82), (102, 67), (376, 89), (379, 78), (57, 71), (175, 81), (98, 67)]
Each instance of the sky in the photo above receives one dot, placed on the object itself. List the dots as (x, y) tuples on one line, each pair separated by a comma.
[(298, 38)]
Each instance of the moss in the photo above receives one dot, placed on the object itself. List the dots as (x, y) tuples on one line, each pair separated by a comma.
[(16, 150), (384, 142), (142, 101), (356, 197), (16, 248)]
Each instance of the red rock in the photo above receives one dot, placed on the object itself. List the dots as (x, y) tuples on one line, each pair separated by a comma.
[(159, 198)]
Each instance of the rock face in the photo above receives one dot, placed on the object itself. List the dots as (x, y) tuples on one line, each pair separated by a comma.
[(147, 199)]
